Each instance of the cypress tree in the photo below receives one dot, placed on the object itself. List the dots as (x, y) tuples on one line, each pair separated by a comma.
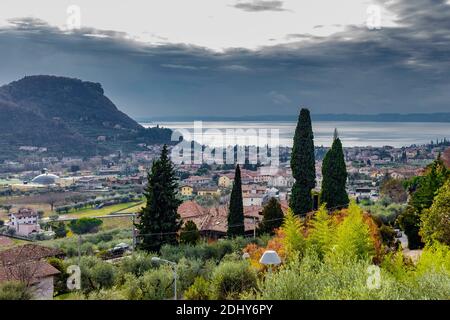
[(236, 210), (334, 177), (303, 165), (272, 217), (159, 220)]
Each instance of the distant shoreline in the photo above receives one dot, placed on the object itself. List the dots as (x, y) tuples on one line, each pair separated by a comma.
[(385, 117)]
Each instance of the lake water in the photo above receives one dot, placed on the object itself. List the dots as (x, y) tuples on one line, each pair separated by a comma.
[(396, 134)]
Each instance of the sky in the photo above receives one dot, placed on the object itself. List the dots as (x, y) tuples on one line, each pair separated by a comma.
[(157, 58)]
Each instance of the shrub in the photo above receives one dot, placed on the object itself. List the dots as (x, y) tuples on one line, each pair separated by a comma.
[(292, 228), (188, 270), (96, 274), (321, 233), (155, 284), (353, 239), (14, 291), (436, 220), (230, 279), (388, 235), (137, 264), (200, 290), (60, 281)]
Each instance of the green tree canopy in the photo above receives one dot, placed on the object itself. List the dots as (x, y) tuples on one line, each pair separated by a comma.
[(85, 225), (236, 209), (334, 178), (189, 233), (436, 220), (272, 217), (159, 220), (303, 165)]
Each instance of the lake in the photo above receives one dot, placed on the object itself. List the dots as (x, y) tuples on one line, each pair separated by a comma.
[(376, 134)]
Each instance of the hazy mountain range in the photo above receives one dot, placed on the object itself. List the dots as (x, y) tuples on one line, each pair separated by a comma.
[(381, 117)]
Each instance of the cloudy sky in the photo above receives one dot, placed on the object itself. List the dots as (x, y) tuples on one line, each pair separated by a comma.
[(238, 57)]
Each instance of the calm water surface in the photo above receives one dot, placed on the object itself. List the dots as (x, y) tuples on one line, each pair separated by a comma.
[(352, 133)]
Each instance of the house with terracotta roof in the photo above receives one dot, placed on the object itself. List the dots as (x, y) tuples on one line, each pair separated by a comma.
[(27, 264), (213, 222)]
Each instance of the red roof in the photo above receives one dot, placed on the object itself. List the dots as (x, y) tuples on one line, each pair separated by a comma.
[(27, 252), (28, 272), (216, 218)]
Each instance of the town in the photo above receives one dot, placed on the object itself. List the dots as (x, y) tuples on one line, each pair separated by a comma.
[(39, 189)]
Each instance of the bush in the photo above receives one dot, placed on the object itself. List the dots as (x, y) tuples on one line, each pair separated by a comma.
[(155, 284), (436, 220), (14, 291), (353, 238), (96, 274), (200, 290), (230, 279), (137, 264), (60, 281), (388, 235)]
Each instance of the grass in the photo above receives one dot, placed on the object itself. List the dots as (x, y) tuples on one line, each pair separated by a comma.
[(9, 181), (117, 208)]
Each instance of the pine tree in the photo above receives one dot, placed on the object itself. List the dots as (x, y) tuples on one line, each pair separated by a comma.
[(236, 210), (303, 165), (159, 220), (272, 217), (334, 178)]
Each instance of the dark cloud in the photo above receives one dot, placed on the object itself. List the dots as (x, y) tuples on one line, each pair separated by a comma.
[(397, 69), (260, 5)]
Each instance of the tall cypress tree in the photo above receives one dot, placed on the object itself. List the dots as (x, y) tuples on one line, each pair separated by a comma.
[(334, 177), (159, 220), (236, 210), (303, 165)]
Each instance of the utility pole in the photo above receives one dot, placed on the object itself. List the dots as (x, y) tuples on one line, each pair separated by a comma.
[(254, 228)]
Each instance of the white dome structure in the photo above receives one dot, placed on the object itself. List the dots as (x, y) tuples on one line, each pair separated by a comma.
[(45, 179)]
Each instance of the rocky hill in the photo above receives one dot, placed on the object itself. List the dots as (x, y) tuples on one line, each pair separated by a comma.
[(68, 117)]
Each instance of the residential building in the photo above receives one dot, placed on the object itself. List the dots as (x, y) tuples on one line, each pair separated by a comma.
[(208, 191), (226, 181), (186, 190), (252, 199), (27, 264), (24, 222)]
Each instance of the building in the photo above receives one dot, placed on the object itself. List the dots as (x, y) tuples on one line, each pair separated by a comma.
[(27, 264), (187, 190), (226, 181), (213, 222), (281, 181), (208, 191), (252, 199), (253, 189), (45, 179), (197, 180), (25, 222)]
